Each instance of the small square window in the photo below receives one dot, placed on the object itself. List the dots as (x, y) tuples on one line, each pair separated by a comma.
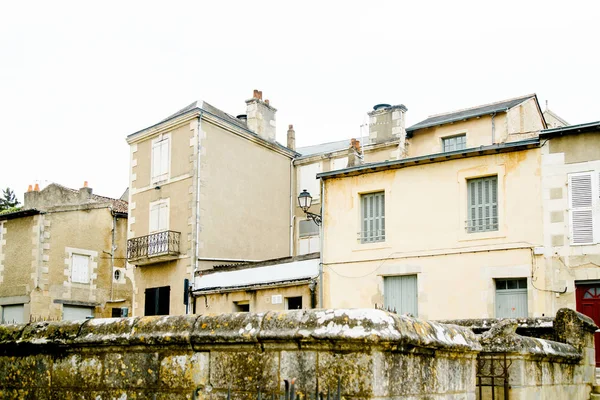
[(293, 303), (454, 143), (241, 306)]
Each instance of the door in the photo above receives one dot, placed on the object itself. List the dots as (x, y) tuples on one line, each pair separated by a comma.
[(588, 303), (511, 298), (75, 313), (400, 294), (13, 314)]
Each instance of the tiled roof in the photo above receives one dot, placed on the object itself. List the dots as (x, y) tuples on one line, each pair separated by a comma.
[(120, 206), (469, 113)]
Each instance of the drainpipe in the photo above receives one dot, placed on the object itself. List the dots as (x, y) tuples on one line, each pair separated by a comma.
[(197, 233), (493, 129), (292, 216), (113, 247), (321, 244)]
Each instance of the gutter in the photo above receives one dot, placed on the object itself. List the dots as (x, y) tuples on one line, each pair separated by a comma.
[(572, 129), (431, 158), (219, 290)]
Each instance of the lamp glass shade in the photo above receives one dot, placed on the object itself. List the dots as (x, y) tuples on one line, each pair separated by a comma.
[(304, 200)]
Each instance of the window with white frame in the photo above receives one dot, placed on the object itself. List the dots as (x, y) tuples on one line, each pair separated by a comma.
[(454, 143), (584, 207), (307, 179), (482, 199), (80, 268), (372, 217), (159, 216), (160, 159), (308, 233)]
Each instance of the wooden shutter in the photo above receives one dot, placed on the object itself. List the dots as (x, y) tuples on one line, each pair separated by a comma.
[(400, 294), (581, 207), (482, 204), (163, 217), (80, 266), (156, 164), (164, 159), (154, 217), (373, 217)]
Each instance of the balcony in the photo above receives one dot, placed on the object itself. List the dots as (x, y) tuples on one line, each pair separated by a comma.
[(154, 248)]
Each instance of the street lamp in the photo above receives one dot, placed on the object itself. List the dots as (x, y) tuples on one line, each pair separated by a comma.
[(304, 201)]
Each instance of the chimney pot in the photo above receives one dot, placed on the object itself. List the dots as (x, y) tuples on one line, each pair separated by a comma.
[(255, 94), (291, 126), (85, 184), (291, 138), (267, 101), (36, 188), (29, 188), (260, 94)]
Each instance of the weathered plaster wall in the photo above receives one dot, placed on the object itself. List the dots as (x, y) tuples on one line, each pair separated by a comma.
[(373, 353), (425, 214), (260, 300), (19, 251)]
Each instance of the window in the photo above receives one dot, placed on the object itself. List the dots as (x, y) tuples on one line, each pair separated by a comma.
[(159, 216), (293, 303), (400, 294), (13, 314), (454, 143), (80, 268), (373, 217), (308, 228), (307, 179), (160, 159), (511, 298), (584, 201), (482, 194), (309, 241), (157, 301), (241, 306)]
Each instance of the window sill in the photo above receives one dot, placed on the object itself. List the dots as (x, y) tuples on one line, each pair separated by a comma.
[(371, 246), (466, 237)]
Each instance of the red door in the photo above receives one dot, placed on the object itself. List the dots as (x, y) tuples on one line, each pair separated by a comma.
[(588, 303)]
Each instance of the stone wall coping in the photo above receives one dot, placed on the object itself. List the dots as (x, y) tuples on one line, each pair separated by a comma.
[(367, 326), (486, 323)]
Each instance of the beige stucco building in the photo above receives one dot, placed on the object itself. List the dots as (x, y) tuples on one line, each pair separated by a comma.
[(206, 189), (451, 229), (62, 256)]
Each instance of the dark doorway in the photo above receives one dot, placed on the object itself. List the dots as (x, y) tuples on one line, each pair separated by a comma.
[(294, 303), (241, 306), (588, 303), (157, 301)]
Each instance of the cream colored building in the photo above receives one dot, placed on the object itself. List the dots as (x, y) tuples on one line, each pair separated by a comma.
[(62, 256), (452, 228), (206, 189)]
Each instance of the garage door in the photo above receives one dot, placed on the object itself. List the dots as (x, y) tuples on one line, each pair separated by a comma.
[(72, 313), (13, 314)]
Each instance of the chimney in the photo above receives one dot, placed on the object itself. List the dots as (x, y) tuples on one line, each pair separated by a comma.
[(261, 116), (85, 193), (30, 198), (291, 138), (386, 124), (354, 156)]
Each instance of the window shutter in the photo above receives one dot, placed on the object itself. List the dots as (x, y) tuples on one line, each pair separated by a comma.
[(373, 217), (154, 221), (156, 160), (80, 268), (163, 217), (164, 158), (581, 201), (482, 204)]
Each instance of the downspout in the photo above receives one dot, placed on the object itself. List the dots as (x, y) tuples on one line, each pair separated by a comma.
[(493, 129), (321, 244), (197, 233), (40, 251), (113, 247), (292, 216)]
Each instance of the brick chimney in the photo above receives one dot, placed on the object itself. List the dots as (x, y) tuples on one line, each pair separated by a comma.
[(30, 198), (291, 138), (261, 116)]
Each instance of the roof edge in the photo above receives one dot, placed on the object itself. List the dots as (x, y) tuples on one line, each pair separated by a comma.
[(571, 129)]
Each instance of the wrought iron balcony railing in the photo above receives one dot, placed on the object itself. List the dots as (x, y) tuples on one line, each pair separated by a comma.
[(154, 247)]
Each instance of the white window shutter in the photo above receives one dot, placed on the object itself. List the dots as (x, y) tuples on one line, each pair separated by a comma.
[(156, 160), (581, 210), (163, 217), (80, 272), (154, 217), (164, 159)]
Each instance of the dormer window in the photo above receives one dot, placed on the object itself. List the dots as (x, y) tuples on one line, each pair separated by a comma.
[(454, 143)]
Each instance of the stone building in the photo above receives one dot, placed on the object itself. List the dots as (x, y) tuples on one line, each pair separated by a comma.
[(450, 228), (206, 189), (62, 256)]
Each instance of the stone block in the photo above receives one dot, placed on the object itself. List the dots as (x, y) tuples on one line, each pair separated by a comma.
[(226, 328), (131, 370), (302, 366), (353, 370), (558, 240), (43, 333), (557, 216), (556, 193), (244, 370), (184, 371), (163, 330), (72, 370), (32, 371), (106, 331)]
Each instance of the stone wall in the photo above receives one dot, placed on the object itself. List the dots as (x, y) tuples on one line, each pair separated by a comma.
[(372, 353)]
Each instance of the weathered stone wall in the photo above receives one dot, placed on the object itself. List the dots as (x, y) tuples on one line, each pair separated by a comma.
[(373, 353)]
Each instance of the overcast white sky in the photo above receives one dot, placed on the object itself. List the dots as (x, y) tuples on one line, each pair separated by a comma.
[(77, 77)]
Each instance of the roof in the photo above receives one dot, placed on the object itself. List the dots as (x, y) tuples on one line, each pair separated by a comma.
[(119, 206), (555, 116), (430, 158), (324, 148), (256, 276), (477, 111), (220, 114), (572, 129), (18, 214)]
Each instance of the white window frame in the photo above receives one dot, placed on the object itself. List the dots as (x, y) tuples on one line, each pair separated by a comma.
[(309, 172), (85, 277), (593, 208), (445, 138), (165, 203), (367, 236), (158, 143)]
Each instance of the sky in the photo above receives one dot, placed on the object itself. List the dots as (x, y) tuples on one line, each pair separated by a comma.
[(77, 77)]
